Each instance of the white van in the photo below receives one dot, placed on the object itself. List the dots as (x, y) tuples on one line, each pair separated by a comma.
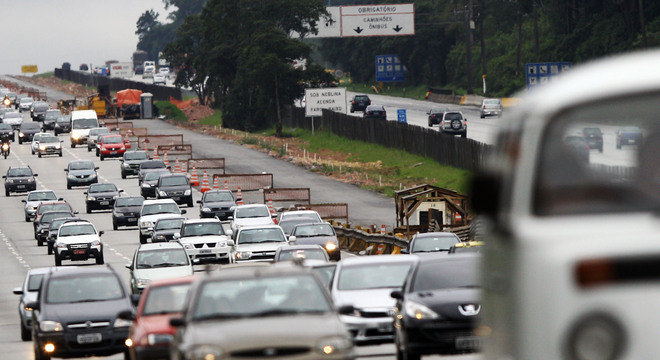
[(81, 122), (572, 256)]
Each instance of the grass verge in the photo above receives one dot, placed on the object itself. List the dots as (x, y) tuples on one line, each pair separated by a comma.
[(44, 75), (401, 90), (171, 111), (213, 120)]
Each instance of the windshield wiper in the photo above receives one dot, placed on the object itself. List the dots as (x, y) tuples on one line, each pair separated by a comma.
[(167, 264), (274, 312), (144, 266), (269, 241), (88, 300), (218, 317)]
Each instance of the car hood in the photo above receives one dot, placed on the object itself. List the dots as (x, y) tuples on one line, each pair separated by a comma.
[(128, 209), (78, 239), (446, 302), (316, 240), (85, 172), (269, 246), (303, 330), (33, 203), (30, 131), (155, 217), (366, 298), (218, 204), (174, 188), (134, 162), (85, 311), (103, 194), (157, 324), (204, 239), (266, 220), (163, 272)]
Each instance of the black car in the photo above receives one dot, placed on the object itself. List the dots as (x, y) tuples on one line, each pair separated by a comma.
[(19, 179), (7, 130), (76, 313), (27, 131), (217, 203), (176, 187), (94, 136), (38, 110), (51, 118), (630, 135), (150, 165), (150, 181), (130, 162), (164, 229), (438, 309), (101, 196), (62, 125), (321, 234), (594, 138), (81, 173), (359, 103), (126, 211), (54, 227), (375, 112), (83, 67), (43, 225), (435, 116)]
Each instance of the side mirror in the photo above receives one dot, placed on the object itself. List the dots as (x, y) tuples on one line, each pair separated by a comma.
[(60, 199), (346, 310), (129, 266), (121, 190), (199, 201), (230, 217), (35, 174), (101, 232), (96, 168), (65, 170), (177, 322), (75, 212), (4, 176), (135, 299), (396, 294), (24, 201), (230, 243), (85, 192), (273, 215), (184, 211), (33, 305), (292, 239), (18, 291), (405, 251), (126, 315), (121, 160), (177, 235), (230, 232)]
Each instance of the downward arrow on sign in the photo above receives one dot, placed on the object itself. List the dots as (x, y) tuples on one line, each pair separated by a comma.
[(397, 28), (357, 30)]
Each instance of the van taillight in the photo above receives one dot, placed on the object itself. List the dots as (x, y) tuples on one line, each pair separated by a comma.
[(634, 269)]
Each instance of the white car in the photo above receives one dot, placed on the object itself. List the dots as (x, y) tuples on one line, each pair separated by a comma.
[(206, 240), (25, 104), (151, 211), (34, 146), (158, 261), (148, 71), (258, 243), (165, 71), (253, 214), (78, 241), (159, 79), (14, 119)]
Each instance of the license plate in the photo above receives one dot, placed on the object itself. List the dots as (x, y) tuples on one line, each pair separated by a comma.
[(104, 203), (132, 219), (385, 327), (176, 198), (20, 186), (205, 251), (79, 252), (89, 338), (469, 343), (113, 152)]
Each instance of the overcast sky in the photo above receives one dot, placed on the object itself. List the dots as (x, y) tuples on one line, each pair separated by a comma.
[(47, 33)]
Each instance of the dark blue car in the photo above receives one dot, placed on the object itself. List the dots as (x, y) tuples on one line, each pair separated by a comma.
[(629, 135)]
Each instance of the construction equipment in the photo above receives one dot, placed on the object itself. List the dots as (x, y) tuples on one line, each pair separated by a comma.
[(66, 106)]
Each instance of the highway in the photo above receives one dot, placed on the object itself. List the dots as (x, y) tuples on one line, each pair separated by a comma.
[(19, 251)]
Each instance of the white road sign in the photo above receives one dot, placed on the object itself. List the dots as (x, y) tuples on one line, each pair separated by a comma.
[(121, 69), (324, 98), (378, 20)]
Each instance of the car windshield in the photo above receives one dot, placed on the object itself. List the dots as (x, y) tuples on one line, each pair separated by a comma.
[(99, 131), (152, 209), (373, 276), (288, 225), (255, 236), (169, 224), (252, 212), (40, 107), (260, 297), (625, 177), (202, 229), (129, 201), (113, 140), (34, 282), (361, 97), (166, 299), (438, 275), (325, 273), (102, 188), (30, 126), (308, 254), (12, 115), (432, 243), (41, 196), (154, 175), (76, 230), (53, 114), (147, 259), (27, 100), (491, 102), (85, 123), (591, 131), (19, 172), (63, 119), (81, 165), (49, 216), (173, 181), (56, 223), (312, 230), (83, 288), (49, 139), (453, 116), (152, 165), (137, 155), (218, 196), (43, 208), (5, 127)]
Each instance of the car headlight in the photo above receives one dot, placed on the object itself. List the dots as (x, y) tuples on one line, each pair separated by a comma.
[(146, 224), (206, 209), (243, 255), (206, 352), (142, 282), (154, 339), (333, 345), (596, 337), (122, 323), (70, 176), (186, 193), (162, 193), (31, 208), (60, 246), (125, 165), (331, 246), (42, 147), (89, 198), (75, 136), (50, 326), (145, 185), (21, 134), (30, 180), (418, 311), (96, 243), (122, 148), (93, 175)]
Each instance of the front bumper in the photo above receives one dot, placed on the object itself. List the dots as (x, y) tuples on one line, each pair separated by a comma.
[(428, 337), (21, 187), (179, 199), (369, 330), (220, 214), (130, 170), (215, 255), (147, 192), (67, 344), (125, 219), (100, 204), (69, 254), (50, 151), (79, 141), (451, 130), (151, 352), (82, 181), (26, 137)]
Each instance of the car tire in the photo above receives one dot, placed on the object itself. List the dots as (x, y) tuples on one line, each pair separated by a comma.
[(88, 209), (6, 192), (123, 175), (68, 186), (482, 116), (39, 154), (127, 355), (115, 226), (26, 335), (27, 218), (190, 202), (50, 248), (101, 157), (97, 152), (89, 149), (73, 146), (58, 261), (60, 154), (56, 133), (40, 241), (464, 135), (20, 142), (99, 259), (143, 239), (618, 146)]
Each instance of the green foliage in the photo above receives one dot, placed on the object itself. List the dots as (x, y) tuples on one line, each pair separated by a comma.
[(171, 111), (45, 75), (213, 120)]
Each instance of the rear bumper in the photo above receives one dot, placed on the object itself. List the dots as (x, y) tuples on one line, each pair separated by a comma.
[(66, 344)]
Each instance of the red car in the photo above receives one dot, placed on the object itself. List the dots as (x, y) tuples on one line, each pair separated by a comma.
[(151, 332), (111, 145)]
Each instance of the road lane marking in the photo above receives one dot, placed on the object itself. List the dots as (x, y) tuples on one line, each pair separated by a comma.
[(10, 247)]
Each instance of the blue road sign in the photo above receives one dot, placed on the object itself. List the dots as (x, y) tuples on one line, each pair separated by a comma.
[(542, 73), (389, 68), (401, 115)]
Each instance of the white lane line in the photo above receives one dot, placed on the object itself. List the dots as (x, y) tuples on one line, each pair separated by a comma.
[(78, 158), (39, 182), (106, 246), (9, 246)]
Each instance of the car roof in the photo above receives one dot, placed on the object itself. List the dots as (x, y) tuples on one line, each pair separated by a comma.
[(159, 201), (50, 202), (250, 205), (201, 221), (37, 271), (275, 269), (77, 222), (380, 259), (269, 226), (173, 175), (64, 271), (160, 245), (173, 281), (41, 191), (301, 247), (174, 217), (454, 257)]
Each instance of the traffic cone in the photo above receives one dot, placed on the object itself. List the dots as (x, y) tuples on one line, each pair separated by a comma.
[(184, 168), (226, 185), (177, 166), (194, 179), (383, 231), (165, 160), (156, 157), (239, 197), (271, 209), (216, 186), (205, 183)]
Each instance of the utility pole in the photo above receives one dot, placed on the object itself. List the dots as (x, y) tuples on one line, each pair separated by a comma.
[(468, 46)]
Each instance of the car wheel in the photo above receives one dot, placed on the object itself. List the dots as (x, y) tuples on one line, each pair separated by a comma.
[(101, 157), (88, 209), (123, 175), (40, 241), (97, 152), (143, 239), (114, 226), (27, 218), (6, 192), (464, 135), (39, 155), (73, 145), (60, 154), (26, 335), (68, 186), (99, 259), (89, 149), (482, 116), (618, 146), (58, 261), (127, 355), (50, 248), (56, 133), (190, 202)]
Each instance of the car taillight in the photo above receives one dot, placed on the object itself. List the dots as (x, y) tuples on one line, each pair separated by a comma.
[(353, 102)]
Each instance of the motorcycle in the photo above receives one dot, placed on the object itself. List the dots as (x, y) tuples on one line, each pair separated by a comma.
[(5, 149), (4, 140)]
